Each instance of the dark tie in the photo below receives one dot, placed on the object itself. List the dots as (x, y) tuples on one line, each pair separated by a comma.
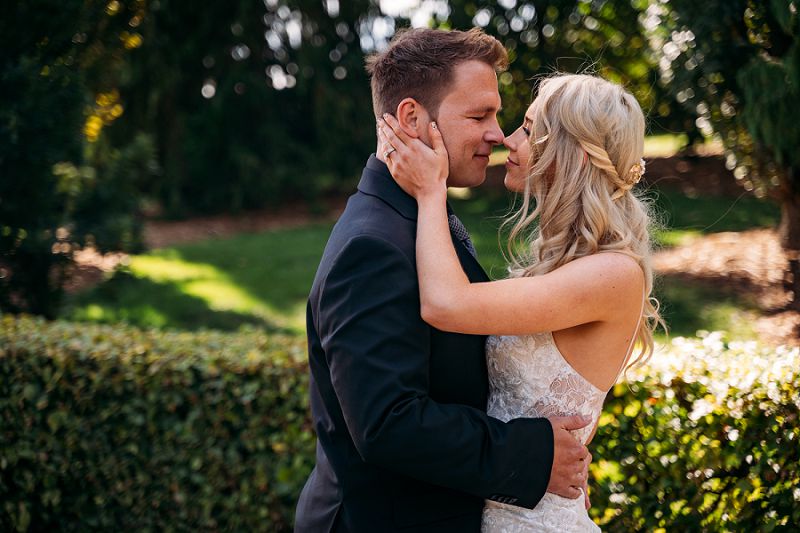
[(460, 232)]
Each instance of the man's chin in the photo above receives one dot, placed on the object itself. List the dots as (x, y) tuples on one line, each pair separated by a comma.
[(471, 175), (472, 181)]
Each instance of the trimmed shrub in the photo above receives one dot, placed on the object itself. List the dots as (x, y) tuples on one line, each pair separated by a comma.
[(115, 428), (705, 437), (112, 427)]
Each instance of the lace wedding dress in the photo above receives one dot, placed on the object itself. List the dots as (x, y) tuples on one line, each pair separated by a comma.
[(528, 377)]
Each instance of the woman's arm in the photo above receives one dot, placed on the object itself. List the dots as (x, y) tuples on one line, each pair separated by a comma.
[(586, 290)]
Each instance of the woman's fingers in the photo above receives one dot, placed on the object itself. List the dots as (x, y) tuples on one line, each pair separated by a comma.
[(392, 141), (391, 135), (382, 138), (436, 139), (394, 125), (383, 142)]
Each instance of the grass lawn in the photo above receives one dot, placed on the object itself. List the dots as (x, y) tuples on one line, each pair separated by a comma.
[(263, 279), (259, 279)]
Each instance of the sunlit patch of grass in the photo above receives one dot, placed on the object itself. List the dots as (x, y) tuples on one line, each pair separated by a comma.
[(665, 145), (498, 156), (260, 279), (461, 193), (675, 237), (168, 266), (144, 314), (222, 294), (207, 282)]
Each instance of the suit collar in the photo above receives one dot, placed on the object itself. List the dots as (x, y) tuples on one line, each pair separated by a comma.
[(377, 181)]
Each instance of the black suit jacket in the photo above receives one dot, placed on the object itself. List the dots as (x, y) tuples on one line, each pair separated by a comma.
[(404, 442)]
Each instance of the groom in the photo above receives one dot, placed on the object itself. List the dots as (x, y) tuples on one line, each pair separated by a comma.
[(404, 442)]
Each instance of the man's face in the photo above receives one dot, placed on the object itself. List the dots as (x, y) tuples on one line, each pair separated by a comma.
[(468, 122)]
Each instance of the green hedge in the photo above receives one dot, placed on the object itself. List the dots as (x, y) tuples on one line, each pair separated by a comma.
[(115, 428), (706, 437), (112, 427)]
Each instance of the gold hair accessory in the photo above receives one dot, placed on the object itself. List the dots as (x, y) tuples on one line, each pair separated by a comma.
[(636, 172), (634, 176)]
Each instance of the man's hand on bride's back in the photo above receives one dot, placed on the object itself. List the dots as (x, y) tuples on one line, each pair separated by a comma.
[(418, 168), (570, 457)]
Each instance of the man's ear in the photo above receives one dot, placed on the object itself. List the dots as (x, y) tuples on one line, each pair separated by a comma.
[(413, 118)]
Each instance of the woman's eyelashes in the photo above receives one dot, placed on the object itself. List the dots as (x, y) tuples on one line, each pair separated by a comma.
[(527, 131)]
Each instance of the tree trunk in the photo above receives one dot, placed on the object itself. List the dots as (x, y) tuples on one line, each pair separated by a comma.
[(789, 232)]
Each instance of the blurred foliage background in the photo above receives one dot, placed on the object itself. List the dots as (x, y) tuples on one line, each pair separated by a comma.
[(112, 110)]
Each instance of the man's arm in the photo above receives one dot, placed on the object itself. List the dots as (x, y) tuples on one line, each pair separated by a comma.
[(377, 348)]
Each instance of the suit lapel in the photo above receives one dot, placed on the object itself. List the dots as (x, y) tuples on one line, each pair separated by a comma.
[(469, 264)]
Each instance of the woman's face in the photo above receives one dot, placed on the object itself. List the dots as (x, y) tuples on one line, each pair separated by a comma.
[(519, 151)]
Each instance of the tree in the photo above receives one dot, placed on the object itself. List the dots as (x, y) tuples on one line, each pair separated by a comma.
[(249, 102), (736, 65), (48, 191), (572, 36)]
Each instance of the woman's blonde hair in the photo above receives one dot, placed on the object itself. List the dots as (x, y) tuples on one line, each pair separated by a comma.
[(586, 139)]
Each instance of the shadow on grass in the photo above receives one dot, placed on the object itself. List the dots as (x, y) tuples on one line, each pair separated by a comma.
[(145, 303), (257, 278), (275, 268)]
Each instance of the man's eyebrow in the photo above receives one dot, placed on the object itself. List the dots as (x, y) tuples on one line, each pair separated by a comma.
[(485, 109)]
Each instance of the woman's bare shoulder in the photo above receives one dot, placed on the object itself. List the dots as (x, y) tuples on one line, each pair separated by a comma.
[(609, 268)]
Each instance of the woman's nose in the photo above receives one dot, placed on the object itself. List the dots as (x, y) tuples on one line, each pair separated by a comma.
[(510, 143)]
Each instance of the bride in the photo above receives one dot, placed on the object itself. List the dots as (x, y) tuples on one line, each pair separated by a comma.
[(578, 298)]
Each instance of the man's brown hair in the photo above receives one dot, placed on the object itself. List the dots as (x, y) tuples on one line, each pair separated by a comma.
[(419, 64)]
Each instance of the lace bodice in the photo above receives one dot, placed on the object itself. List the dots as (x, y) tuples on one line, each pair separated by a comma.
[(528, 377)]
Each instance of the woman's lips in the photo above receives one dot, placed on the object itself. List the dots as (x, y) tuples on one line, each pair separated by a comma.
[(511, 163)]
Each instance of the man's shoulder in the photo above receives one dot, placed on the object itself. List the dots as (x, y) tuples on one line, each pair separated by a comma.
[(367, 218), (367, 231)]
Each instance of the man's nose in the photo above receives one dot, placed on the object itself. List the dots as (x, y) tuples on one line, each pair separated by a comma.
[(495, 134)]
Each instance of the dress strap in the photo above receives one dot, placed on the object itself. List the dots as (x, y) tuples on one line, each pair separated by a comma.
[(633, 340)]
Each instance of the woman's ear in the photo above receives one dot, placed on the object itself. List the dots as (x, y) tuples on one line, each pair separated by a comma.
[(413, 118)]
